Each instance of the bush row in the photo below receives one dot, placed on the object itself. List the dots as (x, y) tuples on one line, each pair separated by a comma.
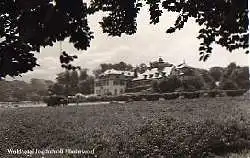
[(167, 96)]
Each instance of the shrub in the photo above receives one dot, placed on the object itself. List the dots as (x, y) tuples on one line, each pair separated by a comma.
[(107, 98), (152, 97), (191, 95), (136, 97), (137, 89), (169, 85), (213, 93), (168, 96), (228, 84), (233, 93), (93, 99), (121, 98), (192, 83), (155, 86)]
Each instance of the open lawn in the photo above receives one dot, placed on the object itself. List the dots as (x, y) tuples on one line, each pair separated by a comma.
[(174, 128)]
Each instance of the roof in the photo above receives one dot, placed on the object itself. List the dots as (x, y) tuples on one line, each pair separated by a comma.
[(154, 73), (117, 72), (182, 66)]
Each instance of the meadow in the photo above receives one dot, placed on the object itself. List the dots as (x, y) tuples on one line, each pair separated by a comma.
[(202, 127)]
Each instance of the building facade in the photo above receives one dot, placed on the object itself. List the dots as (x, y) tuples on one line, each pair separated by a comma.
[(112, 82), (144, 81)]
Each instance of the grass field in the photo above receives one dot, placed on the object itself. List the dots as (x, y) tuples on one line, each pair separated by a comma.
[(175, 128)]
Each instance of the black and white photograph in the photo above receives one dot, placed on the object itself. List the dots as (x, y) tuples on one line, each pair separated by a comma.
[(124, 79)]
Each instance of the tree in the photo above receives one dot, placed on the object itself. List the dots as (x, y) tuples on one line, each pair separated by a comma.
[(216, 73), (83, 74), (142, 68), (192, 83), (27, 25), (87, 86), (57, 89), (155, 86), (169, 84), (122, 66), (223, 22), (74, 82), (237, 76), (63, 79)]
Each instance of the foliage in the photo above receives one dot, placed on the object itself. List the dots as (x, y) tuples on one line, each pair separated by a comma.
[(190, 95), (192, 83), (73, 82), (213, 93), (86, 86), (235, 77), (169, 96), (21, 91), (223, 22), (122, 66), (216, 73), (27, 26), (83, 74), (169, 84), (142, 68), (208, 80), (57, 89), (233, 93), (155, 86), (152, 97)]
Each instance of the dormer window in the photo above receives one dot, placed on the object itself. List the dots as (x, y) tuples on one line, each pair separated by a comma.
[(151, 75)]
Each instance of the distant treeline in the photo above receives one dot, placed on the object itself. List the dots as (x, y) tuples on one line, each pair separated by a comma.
[(69, 83), (232, 77), (22, 91)]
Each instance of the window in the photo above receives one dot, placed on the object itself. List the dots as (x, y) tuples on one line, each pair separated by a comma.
[(121, 91), (122, 82), (117, 82), (115, 91)]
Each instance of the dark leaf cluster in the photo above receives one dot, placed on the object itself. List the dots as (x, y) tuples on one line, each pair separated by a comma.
[(27, 25)]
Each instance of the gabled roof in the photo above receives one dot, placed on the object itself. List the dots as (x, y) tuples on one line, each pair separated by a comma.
[(182, 66), (117, 72), (154, 73)]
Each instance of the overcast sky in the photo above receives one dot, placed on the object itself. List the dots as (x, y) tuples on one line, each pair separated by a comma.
[(148, 44)]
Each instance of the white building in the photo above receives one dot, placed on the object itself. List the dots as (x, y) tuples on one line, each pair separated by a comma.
[(144, 81), (112, 82)]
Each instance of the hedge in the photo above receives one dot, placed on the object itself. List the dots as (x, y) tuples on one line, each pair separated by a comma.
[(136, 97), (191, 95), (233, 93), (152, 97), (169, 96), (121, 98)]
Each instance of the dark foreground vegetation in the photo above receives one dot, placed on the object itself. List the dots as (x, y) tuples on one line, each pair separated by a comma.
[(199, 127)]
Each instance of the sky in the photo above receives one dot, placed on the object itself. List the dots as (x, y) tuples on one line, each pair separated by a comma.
[(148, 44)]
